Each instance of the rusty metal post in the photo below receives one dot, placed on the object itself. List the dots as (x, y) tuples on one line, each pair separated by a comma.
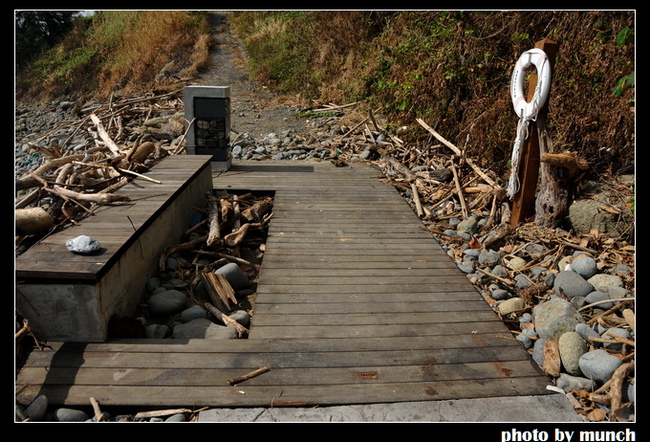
[(523, 203)]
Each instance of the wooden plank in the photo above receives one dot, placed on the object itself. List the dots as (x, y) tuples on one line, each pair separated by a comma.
[(193, 376), (287, 394), (115, 226)]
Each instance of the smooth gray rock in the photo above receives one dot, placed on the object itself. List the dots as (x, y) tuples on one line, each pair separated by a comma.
[(587, 332), (522, 281), (538, 351), (194, 312), (488, 257), (585, 267), (525, 341), (203, 329), (83, 244), (554, 317), (179, 417), (466, 267), (37, 409), (70, 415), (237, 278), (549, 279), (241, 316), (569, 383), (535, 250), (156, 331), (599, 365), (469, 225), (500, 294), (597, 296), (167, 302), (571, 284)]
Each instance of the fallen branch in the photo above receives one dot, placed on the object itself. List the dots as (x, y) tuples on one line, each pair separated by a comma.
[(248, 376), (457, 151), (189, 245), (228, 321), (99, 415), (613, 398), (459, 190), (416, 199), (214, 234), (161, 413), (104, 135), (97, 198)]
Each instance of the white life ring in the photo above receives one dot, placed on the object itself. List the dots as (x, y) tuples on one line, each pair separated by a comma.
[(538, 58)]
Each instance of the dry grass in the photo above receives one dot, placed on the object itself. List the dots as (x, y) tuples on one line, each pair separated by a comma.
[(127, 51)]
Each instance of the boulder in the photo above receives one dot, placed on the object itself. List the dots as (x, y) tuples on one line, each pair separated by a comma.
[(554, 317)]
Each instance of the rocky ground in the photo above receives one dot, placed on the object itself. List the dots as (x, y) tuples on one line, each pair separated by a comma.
[(568, 297)]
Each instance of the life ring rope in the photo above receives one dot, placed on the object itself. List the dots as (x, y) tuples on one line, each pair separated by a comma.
[(526, 111)]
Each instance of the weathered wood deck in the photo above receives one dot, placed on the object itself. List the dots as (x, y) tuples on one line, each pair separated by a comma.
[(356, 304)]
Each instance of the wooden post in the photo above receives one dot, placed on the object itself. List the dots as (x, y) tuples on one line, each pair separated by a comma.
[(523, 203)]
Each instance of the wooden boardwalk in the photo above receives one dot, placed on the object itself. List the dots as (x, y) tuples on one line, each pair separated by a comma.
[(356, 304)]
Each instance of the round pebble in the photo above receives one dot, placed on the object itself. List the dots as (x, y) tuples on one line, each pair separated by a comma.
[(241, 316), (572, 347), (571, 284), (203, 329), (156, 331), (515, 263), (194, 312), (584, 266), (538, 351), (500, 294), (70, 415), (167, 302), (511, 305), (525, 341)]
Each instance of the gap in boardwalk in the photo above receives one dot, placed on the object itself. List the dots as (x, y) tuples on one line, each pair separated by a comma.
[(210, 275)]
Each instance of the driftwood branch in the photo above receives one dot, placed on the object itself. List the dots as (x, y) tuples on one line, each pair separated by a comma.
[(614, 388), (104, 135), (214, 235), (228, 321), (220, 290), (458, 152), (248, 376)]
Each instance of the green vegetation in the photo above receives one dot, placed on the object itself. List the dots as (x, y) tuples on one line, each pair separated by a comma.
[(453, 68), (450, 68)]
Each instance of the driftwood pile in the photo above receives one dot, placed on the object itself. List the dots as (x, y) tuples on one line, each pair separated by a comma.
[(120, 141), (232, 229)]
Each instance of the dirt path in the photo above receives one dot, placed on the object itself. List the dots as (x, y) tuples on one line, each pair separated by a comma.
[(254, 109)]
